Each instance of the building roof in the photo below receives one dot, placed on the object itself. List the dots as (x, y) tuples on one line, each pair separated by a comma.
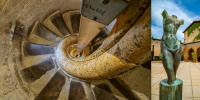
[(155, 39), (196, 21)]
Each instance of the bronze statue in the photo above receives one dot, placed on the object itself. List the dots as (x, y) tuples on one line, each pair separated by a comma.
[(170, 45), (171, 88)]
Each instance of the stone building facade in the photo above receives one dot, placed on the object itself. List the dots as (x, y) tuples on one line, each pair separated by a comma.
[(192, 42), (155, 48)]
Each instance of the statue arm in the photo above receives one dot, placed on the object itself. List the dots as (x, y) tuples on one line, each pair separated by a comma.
[(164, 14)]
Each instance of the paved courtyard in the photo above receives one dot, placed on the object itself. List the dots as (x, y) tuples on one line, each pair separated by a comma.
[(188, 72)]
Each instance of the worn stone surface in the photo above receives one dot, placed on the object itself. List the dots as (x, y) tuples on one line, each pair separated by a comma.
[(2, 4), (135, 46), (138, 81), (10, 86)]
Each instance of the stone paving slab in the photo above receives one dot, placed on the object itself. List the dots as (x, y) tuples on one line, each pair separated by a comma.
[(188, 72)]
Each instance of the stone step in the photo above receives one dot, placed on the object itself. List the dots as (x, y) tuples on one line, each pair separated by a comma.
[(76, 91), (54, 87), (36, 71), (60, 24), (47, 34), (37, 86), (136, 82), (36, 77), (64, 94), (104, 90), (34, 38), (30, 49), (50, 25), (72, 20), (28, 61), (89, 91)]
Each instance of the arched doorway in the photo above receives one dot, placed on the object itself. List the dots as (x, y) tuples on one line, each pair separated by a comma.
[(190, 54), (198, 54)]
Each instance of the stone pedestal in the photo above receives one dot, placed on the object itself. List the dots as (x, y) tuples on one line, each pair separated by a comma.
[(171, 91)]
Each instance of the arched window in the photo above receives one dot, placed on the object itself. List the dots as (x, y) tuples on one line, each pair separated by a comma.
[(191, 54), (198, 54)]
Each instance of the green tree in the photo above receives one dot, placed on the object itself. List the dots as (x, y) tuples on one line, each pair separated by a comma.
[(194, 55), (160, 56)]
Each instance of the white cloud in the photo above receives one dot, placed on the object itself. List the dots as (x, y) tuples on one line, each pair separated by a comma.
[(172, 8)]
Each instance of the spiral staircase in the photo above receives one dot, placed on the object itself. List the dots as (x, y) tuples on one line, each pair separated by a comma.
[(40, 73)]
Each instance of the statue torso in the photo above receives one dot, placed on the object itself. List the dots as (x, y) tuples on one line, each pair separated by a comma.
[(169, 37)]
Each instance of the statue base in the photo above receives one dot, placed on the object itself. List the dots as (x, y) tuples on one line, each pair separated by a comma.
[(171, 91)]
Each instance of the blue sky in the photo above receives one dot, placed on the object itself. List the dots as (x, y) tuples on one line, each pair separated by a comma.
[(188, 10)]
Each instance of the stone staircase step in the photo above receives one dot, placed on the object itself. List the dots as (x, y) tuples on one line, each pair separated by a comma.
[(52, 90), (104, 90), (34, 72), (30, 49), (50, 25), (43, 32), (34, 38), (89, 91), (28, 61), (72, 20), (77, 91), (60, 24), (64, 94)]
